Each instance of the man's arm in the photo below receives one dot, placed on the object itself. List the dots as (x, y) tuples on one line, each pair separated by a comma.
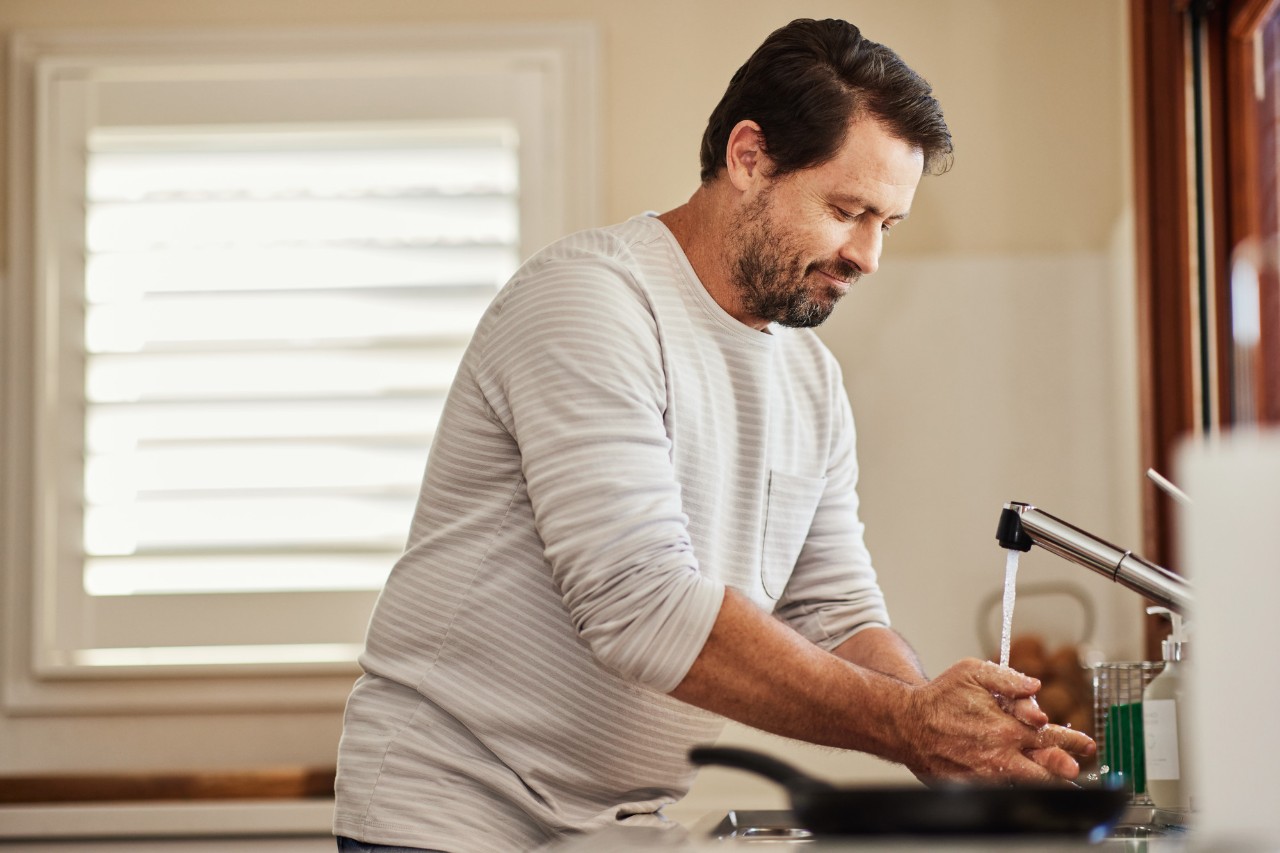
[(757, 671), (884, 650)]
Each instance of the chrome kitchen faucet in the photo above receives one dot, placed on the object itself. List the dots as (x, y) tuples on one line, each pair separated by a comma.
[(1023, 525)]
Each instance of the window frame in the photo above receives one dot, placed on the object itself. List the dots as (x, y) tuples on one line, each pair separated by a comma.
[(560, 195), (1180, 398), (1246, 32)]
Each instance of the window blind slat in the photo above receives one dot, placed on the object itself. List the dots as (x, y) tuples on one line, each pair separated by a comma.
[(243, 572), (237, 375), (484, 166), (116, 427), (295, 319), (114, 227), (121, 477), (129, 275), (298, 522)]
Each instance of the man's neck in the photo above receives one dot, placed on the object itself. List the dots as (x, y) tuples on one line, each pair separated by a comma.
[(701, 227)]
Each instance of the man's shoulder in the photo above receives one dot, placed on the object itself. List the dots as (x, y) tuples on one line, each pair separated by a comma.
[(607, 271), (632, 254), (611, 244)]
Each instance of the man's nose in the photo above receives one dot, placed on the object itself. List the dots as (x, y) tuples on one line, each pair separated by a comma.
[(862, 248)]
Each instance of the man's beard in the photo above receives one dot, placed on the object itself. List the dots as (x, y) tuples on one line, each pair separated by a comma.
[(772, 279)]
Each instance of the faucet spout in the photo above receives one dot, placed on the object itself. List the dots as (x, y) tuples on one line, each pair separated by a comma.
[(1023, 525)]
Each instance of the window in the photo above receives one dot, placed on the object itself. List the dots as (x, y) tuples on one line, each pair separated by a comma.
[(250, 270), (1205, 82)]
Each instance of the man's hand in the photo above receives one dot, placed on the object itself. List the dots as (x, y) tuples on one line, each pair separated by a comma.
[(1062, 758), (962, 731), (1065, 747)]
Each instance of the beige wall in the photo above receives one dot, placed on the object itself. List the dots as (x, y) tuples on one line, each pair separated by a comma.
[(1031, 89), (992, 358)]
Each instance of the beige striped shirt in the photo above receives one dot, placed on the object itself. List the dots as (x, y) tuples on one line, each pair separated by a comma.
[(614, 452)]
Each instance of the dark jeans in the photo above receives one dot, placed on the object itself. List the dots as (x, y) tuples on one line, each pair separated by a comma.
[(350, 845)]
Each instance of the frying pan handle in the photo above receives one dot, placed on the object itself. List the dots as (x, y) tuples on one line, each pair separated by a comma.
[(779, 771)]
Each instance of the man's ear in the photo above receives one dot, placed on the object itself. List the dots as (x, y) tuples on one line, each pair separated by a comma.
[(745, 159)]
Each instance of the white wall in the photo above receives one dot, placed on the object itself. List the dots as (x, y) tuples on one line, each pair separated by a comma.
[(991, 358)]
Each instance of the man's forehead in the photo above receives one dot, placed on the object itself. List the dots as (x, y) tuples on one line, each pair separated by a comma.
[(871, 160)]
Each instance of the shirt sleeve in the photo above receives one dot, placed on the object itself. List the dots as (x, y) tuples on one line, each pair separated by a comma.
[(833, 592), (573, 368)]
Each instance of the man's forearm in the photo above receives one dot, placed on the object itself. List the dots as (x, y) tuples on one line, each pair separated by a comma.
[(757, 671), (883, 650)]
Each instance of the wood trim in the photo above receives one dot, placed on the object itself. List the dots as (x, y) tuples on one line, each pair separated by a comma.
[(1248, 15), (1163, 248), (1222, 217), (1166, 360), (1258, 178), (1243, 115), (261, 784), (1252, 176), (1269, 356)]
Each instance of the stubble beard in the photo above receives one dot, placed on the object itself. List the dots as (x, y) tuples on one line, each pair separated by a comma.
[(774, 282)]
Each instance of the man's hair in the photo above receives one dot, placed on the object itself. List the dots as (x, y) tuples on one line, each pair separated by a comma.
[(806, 83)]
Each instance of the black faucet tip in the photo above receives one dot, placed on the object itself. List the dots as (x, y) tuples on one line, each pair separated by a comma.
[(1009, 531)]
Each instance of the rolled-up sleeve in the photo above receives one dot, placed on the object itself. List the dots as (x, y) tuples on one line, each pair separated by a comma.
[(575, 373)]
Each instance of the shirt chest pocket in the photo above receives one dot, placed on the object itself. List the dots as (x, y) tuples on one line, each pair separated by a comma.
[(789, 511)]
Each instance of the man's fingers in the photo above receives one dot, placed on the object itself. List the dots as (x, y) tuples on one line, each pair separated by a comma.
[(1039, 766), (1025, 710), (1069, 740), (1006, 682), (1056, 762)]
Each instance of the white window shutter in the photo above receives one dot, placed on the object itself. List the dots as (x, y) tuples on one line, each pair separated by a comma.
[(273, 321)]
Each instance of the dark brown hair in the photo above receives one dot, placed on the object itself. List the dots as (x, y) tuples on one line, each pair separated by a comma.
[(805, 84)]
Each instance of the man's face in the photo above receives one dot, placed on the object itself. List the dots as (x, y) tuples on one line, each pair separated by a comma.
[(801, 240)]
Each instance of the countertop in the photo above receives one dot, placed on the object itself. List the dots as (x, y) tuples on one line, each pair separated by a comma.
[(707, 834), (310, 818)]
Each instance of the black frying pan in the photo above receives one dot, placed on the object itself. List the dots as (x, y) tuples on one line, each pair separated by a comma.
[(957, 809)]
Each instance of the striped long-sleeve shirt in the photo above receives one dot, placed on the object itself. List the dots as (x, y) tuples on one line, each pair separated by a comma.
[(615, 451)]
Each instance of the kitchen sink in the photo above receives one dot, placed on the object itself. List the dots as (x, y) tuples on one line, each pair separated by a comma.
[(778, 828), (762, 825), (1150, 822)]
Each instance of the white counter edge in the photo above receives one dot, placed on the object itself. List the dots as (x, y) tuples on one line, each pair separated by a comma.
[(223, 818)]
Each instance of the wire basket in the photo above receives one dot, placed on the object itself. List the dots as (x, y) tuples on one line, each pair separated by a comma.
[(1117, 722)]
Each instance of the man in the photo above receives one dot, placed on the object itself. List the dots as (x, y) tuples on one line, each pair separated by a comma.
[(639, 515)]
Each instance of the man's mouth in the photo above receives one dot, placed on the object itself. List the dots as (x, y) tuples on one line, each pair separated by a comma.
[(841, 282)]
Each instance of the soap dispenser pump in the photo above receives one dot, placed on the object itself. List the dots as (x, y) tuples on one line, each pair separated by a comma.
[(1164, 724)]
